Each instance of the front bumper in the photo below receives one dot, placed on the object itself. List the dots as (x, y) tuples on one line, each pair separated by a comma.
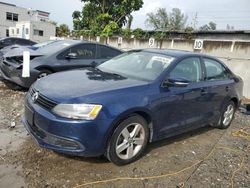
[(82, 138), (15, 75)]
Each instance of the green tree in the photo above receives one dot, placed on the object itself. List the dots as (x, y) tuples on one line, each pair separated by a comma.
[(211, 26), (158, 20), (98, 15), (139, 33), (189, 29), (161, 20), (177, 20), (53, 22), (62, 30), (130, 20)]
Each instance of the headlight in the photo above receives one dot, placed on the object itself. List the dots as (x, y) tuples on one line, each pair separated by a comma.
[(77, 111)]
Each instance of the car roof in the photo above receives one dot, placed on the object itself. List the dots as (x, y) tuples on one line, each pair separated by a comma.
[(73, 42), (173, 52)]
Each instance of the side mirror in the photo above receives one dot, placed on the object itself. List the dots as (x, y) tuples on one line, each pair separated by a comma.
[(71, 56), (175, 82)]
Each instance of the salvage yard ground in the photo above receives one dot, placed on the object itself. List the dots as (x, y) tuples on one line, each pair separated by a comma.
[(205, 158)]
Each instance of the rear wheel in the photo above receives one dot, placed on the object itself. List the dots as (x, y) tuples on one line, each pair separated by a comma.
[(227, 115), (128, 141), (43, 73)]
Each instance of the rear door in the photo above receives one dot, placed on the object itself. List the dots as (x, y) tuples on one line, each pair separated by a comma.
[(218, 84), (85, 57)]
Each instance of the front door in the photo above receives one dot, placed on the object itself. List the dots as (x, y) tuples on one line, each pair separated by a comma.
[(181, 108)]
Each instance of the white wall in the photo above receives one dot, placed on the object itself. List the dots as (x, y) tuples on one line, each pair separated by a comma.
[(4, 23), (49, 30), (22, 26), (25, 16)]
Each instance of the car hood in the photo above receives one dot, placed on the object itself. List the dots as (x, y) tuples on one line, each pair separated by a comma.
[(16, 50), (68, 85)]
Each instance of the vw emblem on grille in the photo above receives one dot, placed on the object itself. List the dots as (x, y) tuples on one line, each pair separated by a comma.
[(35, 96)]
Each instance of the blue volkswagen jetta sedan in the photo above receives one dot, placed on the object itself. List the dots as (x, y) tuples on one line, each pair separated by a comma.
[(141, 96)]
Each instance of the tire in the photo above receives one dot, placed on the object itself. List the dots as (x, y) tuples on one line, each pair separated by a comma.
[(227, 115), (44, 73), (128, 141)]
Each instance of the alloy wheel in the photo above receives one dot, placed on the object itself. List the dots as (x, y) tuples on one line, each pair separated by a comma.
[(130, 141), (228, 115)]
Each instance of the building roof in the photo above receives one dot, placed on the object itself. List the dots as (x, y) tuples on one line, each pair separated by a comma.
[(7, 4), (13, 5), (43, 11)]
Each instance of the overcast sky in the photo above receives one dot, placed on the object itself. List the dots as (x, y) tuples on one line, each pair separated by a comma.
[(233, 12)]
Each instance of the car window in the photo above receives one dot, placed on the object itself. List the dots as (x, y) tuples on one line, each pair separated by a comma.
[(214, 70), (188, 69), (82, 51), (107, 52)]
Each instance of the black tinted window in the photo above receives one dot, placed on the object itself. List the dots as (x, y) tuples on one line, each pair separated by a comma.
[(215, 70), (188, 69), (82, 51), (107, 53)]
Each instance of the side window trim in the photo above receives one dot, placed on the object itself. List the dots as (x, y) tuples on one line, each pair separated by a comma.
[(203, 68), (98, 51)]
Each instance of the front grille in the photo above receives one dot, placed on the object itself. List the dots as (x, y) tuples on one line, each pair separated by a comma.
[(42, 100), (54, 140)]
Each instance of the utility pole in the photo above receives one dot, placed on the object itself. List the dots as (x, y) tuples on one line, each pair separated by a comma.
[(195, 21)]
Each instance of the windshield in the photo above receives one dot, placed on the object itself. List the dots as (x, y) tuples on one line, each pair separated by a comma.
[(42, 44), (55, 46), (139, 65)]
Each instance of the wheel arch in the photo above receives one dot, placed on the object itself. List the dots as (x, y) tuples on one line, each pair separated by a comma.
[(236, 101), (144, 113)]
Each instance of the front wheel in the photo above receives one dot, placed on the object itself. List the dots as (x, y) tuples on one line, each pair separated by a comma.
[(227, 115), (128, 141)]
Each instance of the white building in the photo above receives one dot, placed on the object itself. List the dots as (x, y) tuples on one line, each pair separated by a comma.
[(25, 23)]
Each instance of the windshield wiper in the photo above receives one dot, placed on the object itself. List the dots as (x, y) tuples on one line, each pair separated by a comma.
[(110, 73)]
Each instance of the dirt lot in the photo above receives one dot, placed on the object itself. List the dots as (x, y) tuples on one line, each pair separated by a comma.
[(204, 158)]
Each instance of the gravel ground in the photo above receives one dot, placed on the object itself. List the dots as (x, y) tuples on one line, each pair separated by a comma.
[(204, 158)]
